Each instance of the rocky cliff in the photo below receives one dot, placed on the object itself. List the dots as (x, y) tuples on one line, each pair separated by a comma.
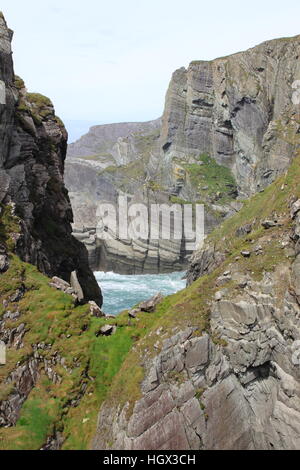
[(32, 153), (113, 144), (219, 367), (133, 165), (238, 109), (47, 330), (227, 131), (215, 366)]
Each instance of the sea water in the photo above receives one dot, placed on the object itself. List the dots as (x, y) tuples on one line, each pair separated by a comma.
[(122, 292)]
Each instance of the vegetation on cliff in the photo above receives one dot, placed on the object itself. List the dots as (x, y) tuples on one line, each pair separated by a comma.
[(191, 307)]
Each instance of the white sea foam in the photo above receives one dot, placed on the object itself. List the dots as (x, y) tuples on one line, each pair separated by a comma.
[(125, 291)]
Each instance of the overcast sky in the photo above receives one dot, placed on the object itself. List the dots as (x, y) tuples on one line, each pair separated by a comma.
[(111, 61)]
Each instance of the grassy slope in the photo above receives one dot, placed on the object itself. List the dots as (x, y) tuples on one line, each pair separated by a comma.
[(51, 317)]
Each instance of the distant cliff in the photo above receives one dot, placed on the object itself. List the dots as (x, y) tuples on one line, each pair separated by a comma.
[(134, 165), (113, 143), (227, 131)]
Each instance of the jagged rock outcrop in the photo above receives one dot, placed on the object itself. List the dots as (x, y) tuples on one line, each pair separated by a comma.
[(88, 189), (32, 153), (203, 262), (229, 377), (239, 109), (24, 379)]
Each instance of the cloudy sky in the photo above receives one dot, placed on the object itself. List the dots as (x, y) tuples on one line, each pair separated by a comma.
[(111, 61)]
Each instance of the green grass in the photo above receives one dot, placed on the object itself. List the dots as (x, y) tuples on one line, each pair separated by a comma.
[(19, 83), (217, 178), (9, 224), (38, 100), (35, 421)]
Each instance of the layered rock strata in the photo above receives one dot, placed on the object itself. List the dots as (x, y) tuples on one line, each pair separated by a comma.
[(32, 153)]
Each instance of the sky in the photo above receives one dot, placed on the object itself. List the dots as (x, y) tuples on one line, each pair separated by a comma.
[(111, 61)]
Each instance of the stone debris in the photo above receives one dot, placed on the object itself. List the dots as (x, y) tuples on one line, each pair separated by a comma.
[(243, 284), (95, 310), (295, 209), (258, 250), (133, 313), (75, 284), (221, 280), (269, 224), (107, 330), (60, 284), (246, 253), (218, 295), (4, 259), (73, 288), (150, 305), (19, 294)]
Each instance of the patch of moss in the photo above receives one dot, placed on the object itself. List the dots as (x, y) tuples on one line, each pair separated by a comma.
[(59, 121), (216, 178), (38, 100), (19, 83), (9, 225)]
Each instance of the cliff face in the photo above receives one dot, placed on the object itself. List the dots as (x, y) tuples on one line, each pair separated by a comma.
[(133, 165), (46, 364), (227, 131), (114, 144), (119, 159), (235, 108), (219, 368), (32, 153)]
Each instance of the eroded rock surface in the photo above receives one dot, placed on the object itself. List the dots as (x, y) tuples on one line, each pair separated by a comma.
[(236, 112), (234, 384), (33, 143), (239, 109), (243, 396)]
